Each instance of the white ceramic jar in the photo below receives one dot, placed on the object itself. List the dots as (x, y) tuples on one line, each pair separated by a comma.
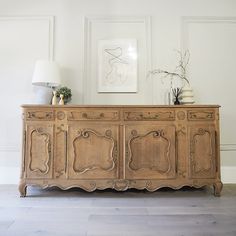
[(187, 96)]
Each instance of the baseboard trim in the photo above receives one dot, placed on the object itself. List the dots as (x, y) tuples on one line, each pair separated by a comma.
[(9, 175), (228, 174)]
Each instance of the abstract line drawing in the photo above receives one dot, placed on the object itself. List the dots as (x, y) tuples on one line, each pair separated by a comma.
[(117, 61)]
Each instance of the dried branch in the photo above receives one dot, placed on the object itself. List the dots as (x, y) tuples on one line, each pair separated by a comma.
[(180, 69), (167, 74)]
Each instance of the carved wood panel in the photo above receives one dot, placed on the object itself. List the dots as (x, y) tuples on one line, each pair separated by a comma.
[(182, 150), (195, 115), (202, 151), (93, 151), (39, 151), (143, 115), (94, 115), (39, 115), (60, 152), (150, 151)]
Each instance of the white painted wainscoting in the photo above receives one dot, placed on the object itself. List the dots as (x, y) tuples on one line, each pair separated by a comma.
[(67, 31)]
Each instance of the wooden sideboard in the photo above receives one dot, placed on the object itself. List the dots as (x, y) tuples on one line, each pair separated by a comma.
[(120, 147)]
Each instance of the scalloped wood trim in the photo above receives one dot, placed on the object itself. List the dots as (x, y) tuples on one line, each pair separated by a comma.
[(118, 185)]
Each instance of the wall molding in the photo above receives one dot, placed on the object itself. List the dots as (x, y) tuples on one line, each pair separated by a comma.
[(185, 20), (9, 148), (88, 23), (50, 20), (228, 147), (208, 19)]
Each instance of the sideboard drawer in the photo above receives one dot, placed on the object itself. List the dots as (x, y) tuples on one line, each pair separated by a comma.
[(195, 115), (94, 114), (149, 115), (39, 115)]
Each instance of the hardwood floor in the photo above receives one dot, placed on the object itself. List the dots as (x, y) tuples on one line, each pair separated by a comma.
[(109, 213)]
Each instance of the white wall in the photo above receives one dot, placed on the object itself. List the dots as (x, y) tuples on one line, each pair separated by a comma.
[(206, 27)]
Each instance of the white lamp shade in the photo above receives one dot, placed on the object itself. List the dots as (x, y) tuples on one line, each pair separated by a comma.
[(46, 73)]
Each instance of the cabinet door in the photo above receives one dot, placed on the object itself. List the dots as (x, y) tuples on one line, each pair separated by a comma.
[(150, 152), (93, 151), (202, 151), (39, 139)]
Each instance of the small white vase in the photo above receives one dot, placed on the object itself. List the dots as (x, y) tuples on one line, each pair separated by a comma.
[(54, 98), (61, 102), (187, 96)]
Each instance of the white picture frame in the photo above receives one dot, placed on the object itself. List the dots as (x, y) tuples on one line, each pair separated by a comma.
[(117, 66)]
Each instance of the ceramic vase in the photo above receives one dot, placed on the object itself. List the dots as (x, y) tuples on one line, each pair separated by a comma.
[(61, 102), (187, 96), (54, 98)]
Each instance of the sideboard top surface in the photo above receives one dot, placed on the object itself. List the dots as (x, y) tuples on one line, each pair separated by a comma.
[(119, 106)]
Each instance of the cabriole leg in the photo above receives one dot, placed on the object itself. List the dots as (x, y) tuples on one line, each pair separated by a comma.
[(217, 188), (22, 189)]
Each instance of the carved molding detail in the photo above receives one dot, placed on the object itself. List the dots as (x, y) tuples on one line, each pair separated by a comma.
[(181, 159), (201, 115), (61, 115), (112, 158), (93, 115), (61, 170), (121, 184), (181, 115), (44, 153), (159, 134), (169, 115), (208, 158), (23, 155), (39, 115), (181, 129)]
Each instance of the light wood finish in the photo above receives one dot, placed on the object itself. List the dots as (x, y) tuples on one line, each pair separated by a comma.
[(120, 147), (186, 212)]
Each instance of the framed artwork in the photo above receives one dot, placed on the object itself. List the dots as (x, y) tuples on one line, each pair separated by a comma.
[(117, 58), (117, 66)]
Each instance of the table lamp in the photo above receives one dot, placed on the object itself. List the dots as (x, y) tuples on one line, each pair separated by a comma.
[(47, 76)]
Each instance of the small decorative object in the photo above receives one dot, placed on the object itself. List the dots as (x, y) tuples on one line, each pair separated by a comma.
[(61, 102), (176, 93), (54, 98), (66, 92), (187, 95), (179, 72)]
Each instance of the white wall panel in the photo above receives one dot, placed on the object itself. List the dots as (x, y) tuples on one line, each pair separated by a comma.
[(212, 71), (23, 40)]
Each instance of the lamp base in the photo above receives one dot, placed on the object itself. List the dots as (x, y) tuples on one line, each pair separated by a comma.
[(42, 95)]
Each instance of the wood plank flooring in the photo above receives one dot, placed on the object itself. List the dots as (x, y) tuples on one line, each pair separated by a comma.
[(184, 212)]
